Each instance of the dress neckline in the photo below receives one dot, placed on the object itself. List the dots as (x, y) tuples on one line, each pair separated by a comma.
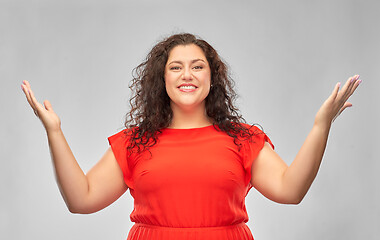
[(187, 129)]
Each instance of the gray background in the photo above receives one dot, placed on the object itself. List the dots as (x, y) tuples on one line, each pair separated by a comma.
[(285, 57)]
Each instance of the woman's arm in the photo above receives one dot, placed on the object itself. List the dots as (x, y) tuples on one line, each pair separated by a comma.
[(289, 184), (82, 193)]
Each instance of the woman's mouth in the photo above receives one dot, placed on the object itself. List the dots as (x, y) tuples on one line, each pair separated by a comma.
[(187, 88)]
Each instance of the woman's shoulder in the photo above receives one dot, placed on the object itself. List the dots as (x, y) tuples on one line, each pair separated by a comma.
[(257, 134), (123, 134), (253, 128)]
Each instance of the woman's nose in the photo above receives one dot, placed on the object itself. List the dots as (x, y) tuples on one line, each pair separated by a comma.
[(187, 74)]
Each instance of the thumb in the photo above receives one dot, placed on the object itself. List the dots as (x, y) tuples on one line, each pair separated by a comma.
[(48, 106), (346, 105)]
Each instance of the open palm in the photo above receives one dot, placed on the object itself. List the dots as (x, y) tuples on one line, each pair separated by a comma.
[(45, 112), (337, 101)]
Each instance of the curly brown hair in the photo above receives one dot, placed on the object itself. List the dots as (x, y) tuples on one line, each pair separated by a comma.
[(150, 104)]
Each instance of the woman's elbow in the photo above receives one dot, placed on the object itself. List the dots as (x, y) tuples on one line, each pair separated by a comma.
[(75, 210), (290, 199), (295, 200), (80, 210)]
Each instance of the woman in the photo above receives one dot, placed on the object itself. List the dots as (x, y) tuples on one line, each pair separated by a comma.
[(186, 154)]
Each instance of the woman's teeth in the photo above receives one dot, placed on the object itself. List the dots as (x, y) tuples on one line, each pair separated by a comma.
[(187, 87)]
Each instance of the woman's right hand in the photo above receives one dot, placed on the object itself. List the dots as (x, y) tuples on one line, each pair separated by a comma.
[(45, 112)]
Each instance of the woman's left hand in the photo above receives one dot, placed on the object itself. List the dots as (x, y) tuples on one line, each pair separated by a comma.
[(336, 102)]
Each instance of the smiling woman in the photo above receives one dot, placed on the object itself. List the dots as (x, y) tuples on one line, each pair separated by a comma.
[(158, 102), (186, 154), (187, 82)]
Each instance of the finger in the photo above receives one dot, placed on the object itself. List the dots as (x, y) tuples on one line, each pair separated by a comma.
[(353, 85), (37, 107), (346, 105), (27, 94), (346, 91), (23, 88), (335, 91), (353, 81), (33, 98), (356, 85), (48, 106), (347, 85)]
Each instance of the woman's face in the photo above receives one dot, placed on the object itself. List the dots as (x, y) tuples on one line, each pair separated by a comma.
[(187, 77)]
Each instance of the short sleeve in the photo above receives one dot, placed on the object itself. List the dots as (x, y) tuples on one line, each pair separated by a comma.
[(252, 148), (119, 143)]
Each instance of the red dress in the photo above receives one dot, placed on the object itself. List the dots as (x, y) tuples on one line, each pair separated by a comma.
[(193, 186)]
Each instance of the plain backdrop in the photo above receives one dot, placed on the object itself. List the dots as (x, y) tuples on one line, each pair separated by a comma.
[(285, 57)]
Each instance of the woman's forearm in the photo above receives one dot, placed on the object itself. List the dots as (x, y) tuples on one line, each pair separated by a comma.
[(299, 176), (71, 180)]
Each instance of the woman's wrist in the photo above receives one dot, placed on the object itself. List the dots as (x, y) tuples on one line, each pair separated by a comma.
[(323, 126), (54, 131)]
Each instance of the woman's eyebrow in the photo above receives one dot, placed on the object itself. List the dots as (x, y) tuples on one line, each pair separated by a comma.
[(192, 61)]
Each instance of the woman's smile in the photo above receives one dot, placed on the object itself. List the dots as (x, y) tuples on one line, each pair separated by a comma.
[(187, 87)]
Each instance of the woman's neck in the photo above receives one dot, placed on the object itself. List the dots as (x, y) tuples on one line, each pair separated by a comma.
[(194, 118)]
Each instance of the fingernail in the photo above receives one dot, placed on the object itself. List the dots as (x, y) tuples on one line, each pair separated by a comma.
[(338, 84), (360, 81)]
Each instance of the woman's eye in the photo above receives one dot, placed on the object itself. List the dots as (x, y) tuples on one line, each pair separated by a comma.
[(198, 67), (174, 68)]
